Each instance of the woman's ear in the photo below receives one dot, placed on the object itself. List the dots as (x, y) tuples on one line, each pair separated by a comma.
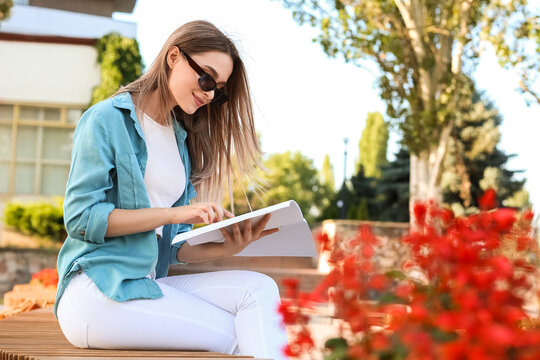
[(173, 55)]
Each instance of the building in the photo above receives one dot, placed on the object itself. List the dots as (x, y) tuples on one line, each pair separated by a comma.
[(48, 70)]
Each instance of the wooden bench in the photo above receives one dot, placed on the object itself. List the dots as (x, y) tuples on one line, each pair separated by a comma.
[(36, 335)]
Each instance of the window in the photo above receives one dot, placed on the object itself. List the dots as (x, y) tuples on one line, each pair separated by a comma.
[(35, 148)]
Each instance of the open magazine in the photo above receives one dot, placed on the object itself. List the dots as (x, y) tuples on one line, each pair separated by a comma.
[(293, 238)]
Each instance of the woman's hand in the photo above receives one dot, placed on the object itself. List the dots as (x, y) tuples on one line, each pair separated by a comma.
[(236, 240), (204, 212)]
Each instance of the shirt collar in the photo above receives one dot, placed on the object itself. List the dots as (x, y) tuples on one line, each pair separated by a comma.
[(124, 101)]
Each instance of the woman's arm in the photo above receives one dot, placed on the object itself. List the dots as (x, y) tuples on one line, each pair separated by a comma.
[(125, 222)]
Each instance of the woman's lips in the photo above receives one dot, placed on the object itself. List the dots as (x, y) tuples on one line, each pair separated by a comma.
[(198, 101)]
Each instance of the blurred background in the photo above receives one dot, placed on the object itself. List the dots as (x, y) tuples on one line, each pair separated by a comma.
[(322, 115), (356, 122)]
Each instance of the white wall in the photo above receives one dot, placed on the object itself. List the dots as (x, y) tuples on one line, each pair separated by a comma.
[(47, 73), (42, 21)]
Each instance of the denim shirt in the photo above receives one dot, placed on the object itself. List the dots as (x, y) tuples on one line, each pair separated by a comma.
[(107, 172)]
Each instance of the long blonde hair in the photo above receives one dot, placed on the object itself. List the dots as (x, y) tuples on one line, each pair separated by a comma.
[(215, 132)]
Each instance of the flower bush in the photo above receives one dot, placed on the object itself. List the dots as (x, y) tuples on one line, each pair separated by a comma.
[(46, 278), (460, 296)]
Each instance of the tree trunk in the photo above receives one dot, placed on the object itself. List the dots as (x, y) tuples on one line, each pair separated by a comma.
[(425, 175)]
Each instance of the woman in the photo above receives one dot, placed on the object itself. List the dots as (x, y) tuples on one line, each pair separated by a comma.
[(138, 160)]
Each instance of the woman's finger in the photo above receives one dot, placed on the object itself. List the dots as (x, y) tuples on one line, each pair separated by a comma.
[(268, 232), (228, 213), (226, 234), (218, 210), (236, 232), (204, 216), (210, 211), (262, 224), (247, 229)]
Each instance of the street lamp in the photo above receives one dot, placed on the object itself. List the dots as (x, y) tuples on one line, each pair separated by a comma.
[(346, 141), (341, 202)]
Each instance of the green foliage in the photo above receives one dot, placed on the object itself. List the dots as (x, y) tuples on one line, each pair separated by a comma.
[(424, 50), (474, 161), (520, 200), (5, 9), (289, 176), (36, 218), (327, 176), (393, 189), (355, 197), (338, 348), (121, 64), (293, 176), (382, 199), (373, 145)]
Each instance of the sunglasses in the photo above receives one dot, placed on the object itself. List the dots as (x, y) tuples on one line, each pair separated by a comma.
[(206, 81)]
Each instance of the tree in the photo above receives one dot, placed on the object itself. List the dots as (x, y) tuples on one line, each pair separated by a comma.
[(327, 175), (121, 63), (288, 176), (363, 196), (5, 9), (293, 176), (423, 49), (339, 204), (474, 162), (392, 189), (373, 145)]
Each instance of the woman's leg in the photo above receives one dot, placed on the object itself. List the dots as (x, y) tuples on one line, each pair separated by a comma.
[(178, 320), (252, 298)]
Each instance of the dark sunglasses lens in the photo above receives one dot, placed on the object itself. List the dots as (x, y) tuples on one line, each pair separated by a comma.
[(219, 97), (206, 82)]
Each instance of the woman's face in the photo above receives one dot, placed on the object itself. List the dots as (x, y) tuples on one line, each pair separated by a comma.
[(183, 79)]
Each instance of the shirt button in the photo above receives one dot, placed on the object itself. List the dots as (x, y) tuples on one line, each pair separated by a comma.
[(83, 232)]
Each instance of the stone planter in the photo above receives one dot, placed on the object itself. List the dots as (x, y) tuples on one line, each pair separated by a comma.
[(389, 254)]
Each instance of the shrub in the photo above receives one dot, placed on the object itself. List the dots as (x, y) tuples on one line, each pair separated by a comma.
[(461, 295), (36, 218)]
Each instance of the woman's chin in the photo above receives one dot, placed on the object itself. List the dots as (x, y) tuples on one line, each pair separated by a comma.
[(190, 109)]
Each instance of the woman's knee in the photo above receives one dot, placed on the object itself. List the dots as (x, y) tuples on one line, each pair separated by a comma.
[(260, 282)]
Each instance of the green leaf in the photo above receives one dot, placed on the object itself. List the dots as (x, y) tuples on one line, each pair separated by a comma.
[(338, 347), (336, 343), (442, 336), (391, 298), (395, 274)]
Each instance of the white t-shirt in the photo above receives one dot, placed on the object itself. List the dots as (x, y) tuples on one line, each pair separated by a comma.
[(165, 175)]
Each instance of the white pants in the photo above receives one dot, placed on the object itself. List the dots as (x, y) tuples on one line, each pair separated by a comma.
[(233, 312)]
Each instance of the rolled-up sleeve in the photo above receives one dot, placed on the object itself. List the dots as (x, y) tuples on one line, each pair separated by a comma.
[(86, 211), (173, 260)]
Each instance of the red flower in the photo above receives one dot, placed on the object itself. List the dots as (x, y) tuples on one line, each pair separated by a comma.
[(324, 241), (287, 313), (488, 200), (466, 302), (378, 282), (497, 334), (502, 266), (367, 251), (504, 219), (528, 215), (403, 290), (380, 342), (419, 212), (47, 277)]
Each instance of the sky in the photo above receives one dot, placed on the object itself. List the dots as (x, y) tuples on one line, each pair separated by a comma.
[(305, 101)]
